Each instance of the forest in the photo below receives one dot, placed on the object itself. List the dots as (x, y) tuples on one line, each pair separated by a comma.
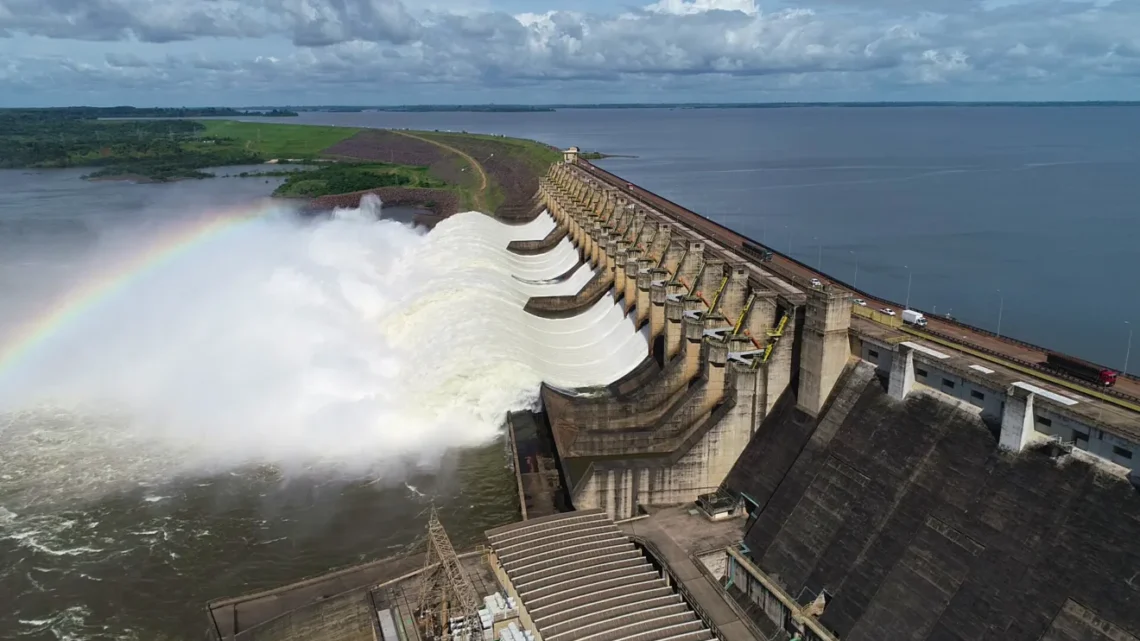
[(156, 149)]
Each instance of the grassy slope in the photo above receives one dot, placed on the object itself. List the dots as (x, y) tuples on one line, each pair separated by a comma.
[(224, 142), (274, 140), (530, 155), (539, 155), (335, 179)]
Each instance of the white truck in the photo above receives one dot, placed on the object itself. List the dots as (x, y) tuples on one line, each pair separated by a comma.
[(914, 318)]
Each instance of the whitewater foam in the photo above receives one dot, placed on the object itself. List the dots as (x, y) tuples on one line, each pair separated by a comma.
[(353, 343)]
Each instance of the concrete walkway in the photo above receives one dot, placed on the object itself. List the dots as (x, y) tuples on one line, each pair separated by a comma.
[(707, 595)]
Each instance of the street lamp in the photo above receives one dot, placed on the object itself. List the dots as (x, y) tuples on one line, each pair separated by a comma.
[(789, 240), (855, 281), (1128, 350), (819, 256), (909, 280), (1001, 308)]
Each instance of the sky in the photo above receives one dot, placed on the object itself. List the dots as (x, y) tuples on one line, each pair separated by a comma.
[(382, 52)]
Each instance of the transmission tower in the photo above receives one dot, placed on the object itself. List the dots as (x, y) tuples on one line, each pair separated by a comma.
[(448, 583)]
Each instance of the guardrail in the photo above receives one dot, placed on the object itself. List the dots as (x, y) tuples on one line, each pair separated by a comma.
[(733, 238), (1071, 382), (877, 316), (1004, 361)]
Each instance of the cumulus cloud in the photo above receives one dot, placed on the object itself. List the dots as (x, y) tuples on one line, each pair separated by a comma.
[(363, 42)]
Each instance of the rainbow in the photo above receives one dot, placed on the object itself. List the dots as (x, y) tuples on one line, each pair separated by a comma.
[(176, 241)]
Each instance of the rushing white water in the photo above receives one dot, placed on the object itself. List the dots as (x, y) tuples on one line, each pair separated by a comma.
[(349, 343)]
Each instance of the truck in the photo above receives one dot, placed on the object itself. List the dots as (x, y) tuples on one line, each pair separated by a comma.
[(912, 317), (765, 255), (1083, 370)]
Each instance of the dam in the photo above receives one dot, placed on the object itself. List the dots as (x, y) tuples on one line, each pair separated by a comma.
[(772, 454)]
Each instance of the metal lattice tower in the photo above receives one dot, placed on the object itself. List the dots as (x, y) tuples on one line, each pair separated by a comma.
[(448, 580)]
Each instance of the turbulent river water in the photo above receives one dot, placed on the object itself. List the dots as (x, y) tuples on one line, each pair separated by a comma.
[(205, 395)]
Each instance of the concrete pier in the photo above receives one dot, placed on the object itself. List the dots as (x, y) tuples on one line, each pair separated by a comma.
[(716, 327)]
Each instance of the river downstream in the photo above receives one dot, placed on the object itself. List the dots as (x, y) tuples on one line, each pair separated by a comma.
[(102, 538)]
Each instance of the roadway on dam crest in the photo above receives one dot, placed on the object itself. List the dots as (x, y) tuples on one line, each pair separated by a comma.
[(1127, 389)]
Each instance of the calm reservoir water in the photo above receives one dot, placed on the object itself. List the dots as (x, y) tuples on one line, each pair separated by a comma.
[(1032, 211)]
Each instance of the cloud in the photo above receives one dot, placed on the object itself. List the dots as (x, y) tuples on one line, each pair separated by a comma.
[(689, 7), (318, 23), (857, 46), (137, 19)]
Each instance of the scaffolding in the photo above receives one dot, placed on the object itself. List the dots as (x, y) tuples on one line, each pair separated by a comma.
[(445, 589)]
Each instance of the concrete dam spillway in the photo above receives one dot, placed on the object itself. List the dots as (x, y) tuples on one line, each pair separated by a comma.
[(593, 347), (743, 451), (898, 481)]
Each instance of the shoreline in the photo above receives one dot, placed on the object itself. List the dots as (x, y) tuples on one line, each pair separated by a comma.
[(137, 179), (436, 204), (505, 178)]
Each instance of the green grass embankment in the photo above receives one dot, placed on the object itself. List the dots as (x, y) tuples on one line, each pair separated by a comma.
[(513, 165), (483, 172), (342, 179), (271, 140)]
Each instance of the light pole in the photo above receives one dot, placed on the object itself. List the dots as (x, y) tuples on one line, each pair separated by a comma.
[(855, 257), (789, 240), (819, 255), (1128, 350), (1001, 308), (764, 231), (909, 280)]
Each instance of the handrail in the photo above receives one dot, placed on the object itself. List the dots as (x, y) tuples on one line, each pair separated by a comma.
[(774, 337), (719, 291), (981, 353), (779, 331), (743, 315)]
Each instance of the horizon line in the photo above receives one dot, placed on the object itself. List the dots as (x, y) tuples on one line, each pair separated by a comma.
[(586, 105)]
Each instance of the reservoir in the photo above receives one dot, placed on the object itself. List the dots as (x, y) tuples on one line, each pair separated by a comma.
[(1023, 210)]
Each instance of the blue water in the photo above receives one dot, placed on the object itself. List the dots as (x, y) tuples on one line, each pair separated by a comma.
[(1030, 211)]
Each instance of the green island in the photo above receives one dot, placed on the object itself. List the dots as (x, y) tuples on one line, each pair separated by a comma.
[(597, 155), (442, 171), (425, 108)]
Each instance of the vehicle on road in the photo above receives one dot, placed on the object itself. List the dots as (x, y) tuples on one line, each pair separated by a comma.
[(859, 301), (765, 255), (1083, 370), (914, 318), (815, 282), (888, 311)]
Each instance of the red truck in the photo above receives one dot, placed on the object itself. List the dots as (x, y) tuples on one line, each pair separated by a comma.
[(1083, 370)]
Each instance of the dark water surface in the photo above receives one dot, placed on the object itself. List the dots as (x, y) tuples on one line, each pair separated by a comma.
[(1032, 211)]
